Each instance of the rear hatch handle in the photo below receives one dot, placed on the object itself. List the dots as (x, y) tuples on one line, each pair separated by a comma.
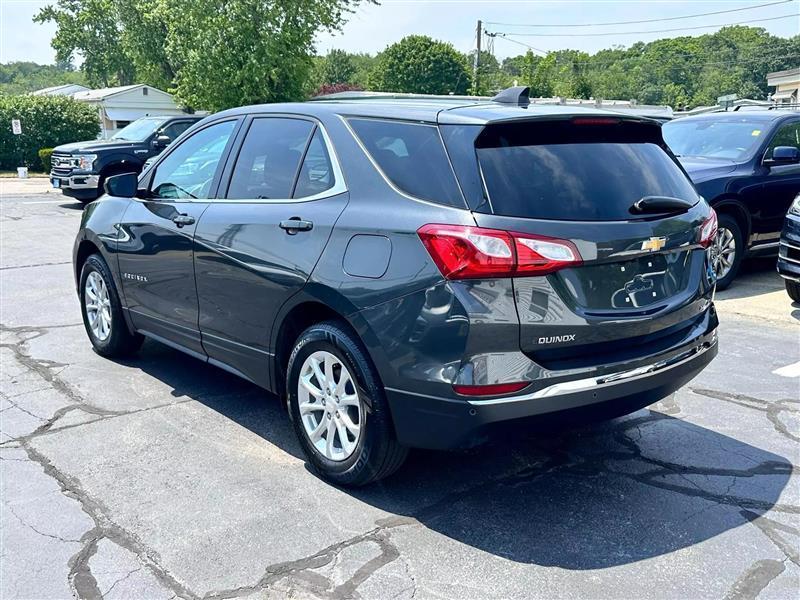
[(660, 204)]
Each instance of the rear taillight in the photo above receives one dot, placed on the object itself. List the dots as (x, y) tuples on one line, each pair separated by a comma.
[(465, 252), (494, 389), (708, 230)]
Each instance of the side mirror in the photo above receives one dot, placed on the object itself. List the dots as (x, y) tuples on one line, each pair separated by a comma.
[(162, 141), (122, 186), (784, 155)]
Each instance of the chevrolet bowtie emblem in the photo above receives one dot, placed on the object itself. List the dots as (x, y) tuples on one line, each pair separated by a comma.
[(654, 243)]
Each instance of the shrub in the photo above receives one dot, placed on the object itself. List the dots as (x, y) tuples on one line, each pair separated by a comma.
[(44, 157), (47, 121)]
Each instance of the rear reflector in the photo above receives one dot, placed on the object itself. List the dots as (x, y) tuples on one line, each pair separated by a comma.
[(490, 390), (465, 252), (708, 230)]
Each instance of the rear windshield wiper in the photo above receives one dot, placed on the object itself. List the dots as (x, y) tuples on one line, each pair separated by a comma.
[(660, 204)]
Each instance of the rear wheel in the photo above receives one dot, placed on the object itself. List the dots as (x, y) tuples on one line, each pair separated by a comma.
[(339, 410), (102, 311), (793, 289), (727, 250)]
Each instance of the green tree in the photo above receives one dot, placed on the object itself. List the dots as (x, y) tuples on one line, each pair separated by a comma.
[(419, 64), (24, 77), (338, 67), (92, 29)]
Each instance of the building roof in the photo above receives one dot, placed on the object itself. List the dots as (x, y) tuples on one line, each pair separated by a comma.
[(103, 93), (785, 73), (66, 89)]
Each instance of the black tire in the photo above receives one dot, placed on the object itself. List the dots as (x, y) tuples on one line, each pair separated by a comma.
[(793, 289), (729, 223), (377, 453), (120, 341)]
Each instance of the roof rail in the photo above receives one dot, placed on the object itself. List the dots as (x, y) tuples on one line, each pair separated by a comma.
[(517, 95)]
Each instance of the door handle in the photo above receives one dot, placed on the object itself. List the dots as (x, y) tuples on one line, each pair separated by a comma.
[(296, 224), (181, 220)]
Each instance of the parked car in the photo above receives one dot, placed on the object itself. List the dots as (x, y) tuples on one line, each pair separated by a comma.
[(747, 166), (789, 252), (79, 169), (411, 273)]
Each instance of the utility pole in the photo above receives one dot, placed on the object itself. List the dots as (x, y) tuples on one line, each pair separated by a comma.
[(477, 62)]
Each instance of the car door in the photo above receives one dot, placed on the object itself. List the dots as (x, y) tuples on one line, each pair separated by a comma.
[(257, 244), (155, 248), (782, 184)]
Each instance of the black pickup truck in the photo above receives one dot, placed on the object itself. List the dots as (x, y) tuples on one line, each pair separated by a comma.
[(79, 169)]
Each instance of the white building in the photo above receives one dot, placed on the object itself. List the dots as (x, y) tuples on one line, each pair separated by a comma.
[(68, 89), (787, 86), (118, 106)]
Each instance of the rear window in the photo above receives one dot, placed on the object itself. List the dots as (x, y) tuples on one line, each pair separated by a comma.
[(412, 157), (576, 172)]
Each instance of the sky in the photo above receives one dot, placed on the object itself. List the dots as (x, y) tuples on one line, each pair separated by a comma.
[(373, 27)]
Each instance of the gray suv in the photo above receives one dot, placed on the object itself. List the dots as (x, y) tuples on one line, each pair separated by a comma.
[(412, 272)]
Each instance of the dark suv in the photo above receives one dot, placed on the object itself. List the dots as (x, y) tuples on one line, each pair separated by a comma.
[(79, 169), (747, 166), (411, 273)]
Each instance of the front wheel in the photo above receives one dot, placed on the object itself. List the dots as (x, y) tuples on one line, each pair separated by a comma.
[(338, 407), (102, 311), (793, 289)]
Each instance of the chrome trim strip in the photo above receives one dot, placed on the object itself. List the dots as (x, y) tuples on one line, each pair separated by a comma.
[(791, 260), (788, 245), (578, 385), (790, 278)]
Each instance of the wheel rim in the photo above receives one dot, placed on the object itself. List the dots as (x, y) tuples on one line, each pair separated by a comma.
[(724, 252), (98, 306), (330, 408)]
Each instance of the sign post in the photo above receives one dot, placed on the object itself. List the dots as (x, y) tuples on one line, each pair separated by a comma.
[(16, 129)]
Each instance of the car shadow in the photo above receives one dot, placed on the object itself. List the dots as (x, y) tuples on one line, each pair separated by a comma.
[(610, 494)]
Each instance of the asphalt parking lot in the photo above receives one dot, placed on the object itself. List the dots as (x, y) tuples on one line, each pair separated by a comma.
[(164, 477)]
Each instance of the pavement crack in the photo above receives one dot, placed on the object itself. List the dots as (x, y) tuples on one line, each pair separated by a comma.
[(753, 581), (35, 530)]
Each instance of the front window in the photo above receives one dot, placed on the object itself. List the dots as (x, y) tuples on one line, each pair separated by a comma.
[(139, 130), (188, 171), (725, 138)]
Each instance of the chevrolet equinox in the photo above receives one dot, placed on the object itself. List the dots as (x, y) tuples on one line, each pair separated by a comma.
[(411, 272)]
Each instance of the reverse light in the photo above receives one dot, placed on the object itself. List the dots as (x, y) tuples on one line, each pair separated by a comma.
[(466, 252), (494, 389), (708, 230)]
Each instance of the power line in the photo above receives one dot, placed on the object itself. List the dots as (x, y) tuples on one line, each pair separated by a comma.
[(793, 15), (718, 12)]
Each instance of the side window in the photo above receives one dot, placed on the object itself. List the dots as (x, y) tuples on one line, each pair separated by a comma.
[(175, 129), (269, 159), (188, 171), (316, 172), (412, 157), (787, 135)]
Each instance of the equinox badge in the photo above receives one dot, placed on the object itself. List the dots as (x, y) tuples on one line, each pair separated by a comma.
[(654, 243)]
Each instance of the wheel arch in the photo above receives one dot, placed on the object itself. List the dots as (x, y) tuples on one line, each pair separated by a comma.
[(733, 206)]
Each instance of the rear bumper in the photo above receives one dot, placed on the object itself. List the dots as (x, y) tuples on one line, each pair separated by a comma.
[(428, 422)]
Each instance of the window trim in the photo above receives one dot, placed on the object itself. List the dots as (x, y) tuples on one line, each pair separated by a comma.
[(786, 122), (147, 181), (389, 182), (339, 184)]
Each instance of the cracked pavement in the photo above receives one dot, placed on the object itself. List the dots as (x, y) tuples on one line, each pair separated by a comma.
[(163, 477)]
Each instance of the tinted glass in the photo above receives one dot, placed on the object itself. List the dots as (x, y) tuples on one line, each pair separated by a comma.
[(189, 170), (173, 130), (316, 173), (269, 159), (139, 130), (579, 182), (412, 157), (788, 135), (730, 139)]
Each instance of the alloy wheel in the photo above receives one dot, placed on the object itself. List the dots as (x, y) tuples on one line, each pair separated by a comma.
[(724, 252), (330, 409), (98, 306)]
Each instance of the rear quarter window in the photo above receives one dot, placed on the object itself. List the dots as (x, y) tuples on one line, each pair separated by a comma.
[(412, 157)]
